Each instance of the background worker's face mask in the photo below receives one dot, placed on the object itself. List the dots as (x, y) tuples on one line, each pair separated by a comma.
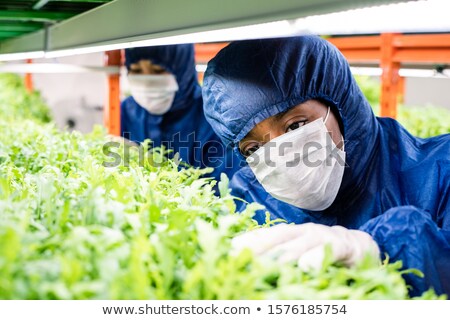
[(155, 93), (303, 167)]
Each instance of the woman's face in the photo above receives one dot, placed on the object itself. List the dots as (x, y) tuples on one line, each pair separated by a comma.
[(284, 122)]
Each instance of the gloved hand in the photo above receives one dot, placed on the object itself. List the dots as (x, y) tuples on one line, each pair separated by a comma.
[(306, 244)]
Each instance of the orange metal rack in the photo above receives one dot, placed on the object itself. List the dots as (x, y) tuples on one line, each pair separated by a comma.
[(112, 107), (29, 79), (387, 50), (390, 51)]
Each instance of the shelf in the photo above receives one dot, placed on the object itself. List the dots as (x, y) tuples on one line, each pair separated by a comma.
[(122, 21)]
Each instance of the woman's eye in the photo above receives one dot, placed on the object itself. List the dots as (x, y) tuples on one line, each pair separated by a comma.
[(249, 151), (295, 125)]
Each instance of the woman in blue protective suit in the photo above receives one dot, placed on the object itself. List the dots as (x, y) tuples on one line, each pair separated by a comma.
[(293, 110), (166, 106)]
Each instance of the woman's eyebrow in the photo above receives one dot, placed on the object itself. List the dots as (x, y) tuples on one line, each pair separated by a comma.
[(249, 136), (281, 115)]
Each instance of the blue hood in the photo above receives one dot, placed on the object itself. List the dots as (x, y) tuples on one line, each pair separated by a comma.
[(178, 60), (249, 81)]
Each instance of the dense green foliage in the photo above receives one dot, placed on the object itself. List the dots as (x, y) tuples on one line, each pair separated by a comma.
[(17, 103), (73, 228), (423, 121), (371, 89)]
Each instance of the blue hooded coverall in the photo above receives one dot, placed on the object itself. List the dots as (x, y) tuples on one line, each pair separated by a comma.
[(183, 128), (396, 187)]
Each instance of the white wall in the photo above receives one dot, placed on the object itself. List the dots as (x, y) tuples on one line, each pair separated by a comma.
[(423, 91), (79, 97)]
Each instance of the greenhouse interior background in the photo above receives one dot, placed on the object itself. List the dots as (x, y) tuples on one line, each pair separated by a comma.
[(75, 227), (81, 109)]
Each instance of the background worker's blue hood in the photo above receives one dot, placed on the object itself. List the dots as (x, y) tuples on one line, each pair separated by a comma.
[(178, 60), (183, 128)]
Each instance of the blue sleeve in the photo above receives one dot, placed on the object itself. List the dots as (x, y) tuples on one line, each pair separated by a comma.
[(123, 118), (238, 190), (409, 234), (130, 123), (215, 155)]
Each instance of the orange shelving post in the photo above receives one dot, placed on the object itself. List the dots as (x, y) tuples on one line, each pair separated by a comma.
[(389, 77), (205, 52), (29, 79), (112, 107), (377, 50)]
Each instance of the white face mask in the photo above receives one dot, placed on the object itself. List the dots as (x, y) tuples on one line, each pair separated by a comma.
[(155, 93), (303, 167)]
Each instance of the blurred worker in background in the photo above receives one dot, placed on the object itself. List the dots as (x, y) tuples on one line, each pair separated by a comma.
[(166, 106), (293, 110)]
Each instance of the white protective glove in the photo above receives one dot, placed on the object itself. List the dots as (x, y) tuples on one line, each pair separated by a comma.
[(306, 244)]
